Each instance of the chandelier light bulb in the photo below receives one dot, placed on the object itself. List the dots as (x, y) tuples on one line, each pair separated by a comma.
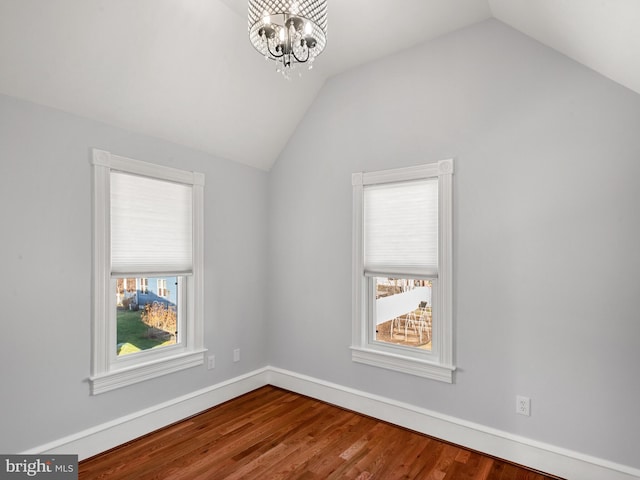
[(308, 28)]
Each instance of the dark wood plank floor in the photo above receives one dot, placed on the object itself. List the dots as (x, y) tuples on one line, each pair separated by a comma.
[(271, 433)]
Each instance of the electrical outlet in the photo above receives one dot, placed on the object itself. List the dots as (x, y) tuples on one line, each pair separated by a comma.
[(211, 362), (523, 405), (236, 355)]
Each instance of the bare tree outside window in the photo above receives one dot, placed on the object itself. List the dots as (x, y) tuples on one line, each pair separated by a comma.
[(161, 319)]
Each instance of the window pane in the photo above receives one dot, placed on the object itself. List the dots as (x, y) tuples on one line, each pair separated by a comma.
[(403, 311), (147, 314)]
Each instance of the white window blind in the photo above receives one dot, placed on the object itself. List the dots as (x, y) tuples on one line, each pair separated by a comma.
[(401, 228), (151, 225)]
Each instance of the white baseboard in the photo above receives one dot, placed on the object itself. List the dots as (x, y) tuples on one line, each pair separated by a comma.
[(537, 455), (121, 430)]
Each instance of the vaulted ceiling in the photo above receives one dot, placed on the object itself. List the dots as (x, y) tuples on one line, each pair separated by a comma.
[(184, 70)]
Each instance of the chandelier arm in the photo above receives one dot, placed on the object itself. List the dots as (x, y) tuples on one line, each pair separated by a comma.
[(274, 55), (299, 60)]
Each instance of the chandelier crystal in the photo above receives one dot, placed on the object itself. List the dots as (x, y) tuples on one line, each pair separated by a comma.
[(288, 31)]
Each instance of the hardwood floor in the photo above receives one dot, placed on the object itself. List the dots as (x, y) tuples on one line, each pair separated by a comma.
[(271, 433)]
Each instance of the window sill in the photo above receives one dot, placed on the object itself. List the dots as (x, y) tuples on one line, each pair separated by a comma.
[(404, 364), (105, 382)]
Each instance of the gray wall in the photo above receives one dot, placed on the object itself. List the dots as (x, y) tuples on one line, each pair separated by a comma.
[(45, 262), (546, 257)]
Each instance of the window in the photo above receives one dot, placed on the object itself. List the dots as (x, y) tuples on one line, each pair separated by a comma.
[(162, 287), (148, 228), (402, 270), (149, 318)]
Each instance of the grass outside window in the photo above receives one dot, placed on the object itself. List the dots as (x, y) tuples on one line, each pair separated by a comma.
[(134, 335)]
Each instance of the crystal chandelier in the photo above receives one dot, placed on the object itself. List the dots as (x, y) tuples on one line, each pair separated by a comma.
[(288, 31)]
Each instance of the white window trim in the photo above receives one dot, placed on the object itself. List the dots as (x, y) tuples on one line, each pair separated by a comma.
[(437, 365), (106, 372)]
